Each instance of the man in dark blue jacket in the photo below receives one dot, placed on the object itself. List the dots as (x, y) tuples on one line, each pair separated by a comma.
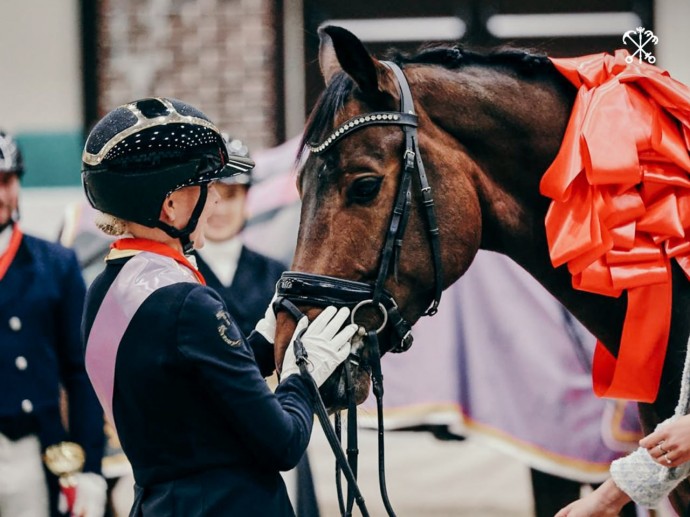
[(41, 300)]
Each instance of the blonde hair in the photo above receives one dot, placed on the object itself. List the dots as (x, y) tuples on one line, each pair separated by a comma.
[(111, 225)]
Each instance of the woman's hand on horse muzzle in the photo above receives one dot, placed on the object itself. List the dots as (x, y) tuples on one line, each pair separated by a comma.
[(326, 345)]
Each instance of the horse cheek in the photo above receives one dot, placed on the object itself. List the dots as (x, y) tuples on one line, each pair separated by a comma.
[(461, 230)]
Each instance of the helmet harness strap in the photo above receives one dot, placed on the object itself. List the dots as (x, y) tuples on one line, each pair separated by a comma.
[(184, 233)]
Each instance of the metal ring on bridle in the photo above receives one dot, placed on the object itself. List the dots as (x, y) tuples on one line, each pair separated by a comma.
[(366, 302)]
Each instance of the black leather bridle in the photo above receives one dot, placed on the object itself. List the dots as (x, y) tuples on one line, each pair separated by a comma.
[(297, 288)]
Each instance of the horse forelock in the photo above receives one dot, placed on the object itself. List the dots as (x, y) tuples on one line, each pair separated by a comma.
[(320, 121)]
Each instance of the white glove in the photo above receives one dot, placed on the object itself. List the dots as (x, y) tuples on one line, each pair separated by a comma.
[(326, 347), (266, 326), (91, 495)]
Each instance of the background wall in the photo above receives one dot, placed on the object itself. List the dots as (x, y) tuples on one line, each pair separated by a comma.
[(672, 18), (218, 55), (40, 86)]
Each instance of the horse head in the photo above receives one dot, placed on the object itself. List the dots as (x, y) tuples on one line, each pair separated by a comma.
[(365, 217)]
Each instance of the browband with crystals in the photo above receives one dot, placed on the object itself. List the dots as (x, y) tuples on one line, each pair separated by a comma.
[(377, 118)]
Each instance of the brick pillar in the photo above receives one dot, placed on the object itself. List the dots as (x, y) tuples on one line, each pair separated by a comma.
[(218, 55)]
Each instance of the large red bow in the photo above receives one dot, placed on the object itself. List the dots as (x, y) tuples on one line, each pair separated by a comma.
[(621, 206)]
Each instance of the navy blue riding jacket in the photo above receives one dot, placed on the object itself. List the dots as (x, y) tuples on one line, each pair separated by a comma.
[(204, 433), (41, 301)]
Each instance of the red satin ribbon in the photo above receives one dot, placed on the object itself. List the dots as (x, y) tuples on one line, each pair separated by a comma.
[(7, 257), (70, 493), (620, 187), (159, 248)]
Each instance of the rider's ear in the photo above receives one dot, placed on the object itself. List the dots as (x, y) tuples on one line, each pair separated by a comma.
[(168, 210), (340, 50)]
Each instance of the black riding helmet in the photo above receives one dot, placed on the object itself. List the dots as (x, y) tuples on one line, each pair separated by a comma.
[(141, 152), (10, 156)]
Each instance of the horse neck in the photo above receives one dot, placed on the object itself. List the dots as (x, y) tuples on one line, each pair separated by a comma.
[(512, 139), (511, 128)]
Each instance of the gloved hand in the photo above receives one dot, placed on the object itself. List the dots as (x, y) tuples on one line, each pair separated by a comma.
[(266, 326), (326, 347), (90, 497)]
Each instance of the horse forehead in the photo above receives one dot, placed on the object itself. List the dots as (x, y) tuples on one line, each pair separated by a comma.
[(315, 176), (356, 151), (351, 108)]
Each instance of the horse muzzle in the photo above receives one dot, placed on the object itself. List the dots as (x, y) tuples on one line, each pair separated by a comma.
[(304, 294)]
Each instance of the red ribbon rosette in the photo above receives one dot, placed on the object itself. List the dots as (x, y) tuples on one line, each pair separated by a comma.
[(621, 206)]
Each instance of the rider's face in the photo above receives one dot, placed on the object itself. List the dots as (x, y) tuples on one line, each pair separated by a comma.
[(9, 196), (184, 201)]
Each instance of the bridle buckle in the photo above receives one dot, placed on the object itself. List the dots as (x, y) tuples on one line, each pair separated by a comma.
[(409, 157)]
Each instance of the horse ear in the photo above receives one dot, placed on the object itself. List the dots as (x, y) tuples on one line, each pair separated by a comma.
[(341, 50)]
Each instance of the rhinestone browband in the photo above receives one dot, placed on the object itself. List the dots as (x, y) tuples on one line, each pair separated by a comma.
[(379, 118)]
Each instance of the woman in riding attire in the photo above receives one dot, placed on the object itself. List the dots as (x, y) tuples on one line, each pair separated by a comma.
[(182, 385)]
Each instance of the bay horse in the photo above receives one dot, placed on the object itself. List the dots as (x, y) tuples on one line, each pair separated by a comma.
[(487, 127)]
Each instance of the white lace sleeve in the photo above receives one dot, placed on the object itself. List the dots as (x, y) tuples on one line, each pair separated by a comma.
[(645, 481), (638, 475)]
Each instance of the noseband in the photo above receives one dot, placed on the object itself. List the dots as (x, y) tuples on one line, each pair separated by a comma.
[(298, 288), (322, 291)]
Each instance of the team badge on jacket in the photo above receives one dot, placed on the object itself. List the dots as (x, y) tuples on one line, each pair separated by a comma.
[(224, 318)]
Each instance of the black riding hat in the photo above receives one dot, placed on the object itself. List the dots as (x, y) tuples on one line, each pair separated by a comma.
[(141, 152), (11, 160)]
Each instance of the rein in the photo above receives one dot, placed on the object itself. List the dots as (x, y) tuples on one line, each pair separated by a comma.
[(298, 288)]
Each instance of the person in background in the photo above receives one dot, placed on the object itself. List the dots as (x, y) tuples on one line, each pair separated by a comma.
[(41, 299), (209, 437), (246, 281)]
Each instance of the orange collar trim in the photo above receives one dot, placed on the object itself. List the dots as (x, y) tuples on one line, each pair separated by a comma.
[(135, 245), (8, 256), (620, 187)]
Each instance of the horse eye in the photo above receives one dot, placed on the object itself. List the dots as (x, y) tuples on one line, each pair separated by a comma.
[(364, 189)]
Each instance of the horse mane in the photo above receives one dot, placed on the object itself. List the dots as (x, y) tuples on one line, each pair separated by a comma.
[(526, 63), (520, 60)]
